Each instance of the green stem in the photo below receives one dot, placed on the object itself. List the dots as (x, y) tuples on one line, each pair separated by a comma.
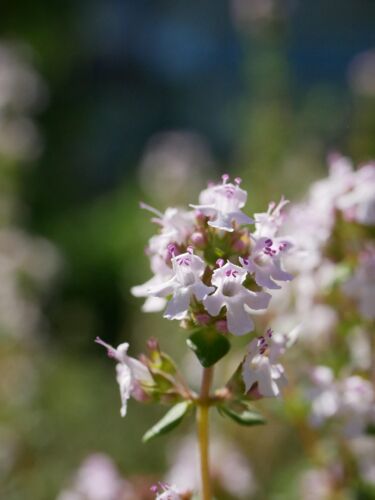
[(203, 435)]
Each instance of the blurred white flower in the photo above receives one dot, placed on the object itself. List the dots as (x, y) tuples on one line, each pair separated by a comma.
[(174, 165), (22, 91), (98, 479), (350, 400), (229, 467), (361, 286)]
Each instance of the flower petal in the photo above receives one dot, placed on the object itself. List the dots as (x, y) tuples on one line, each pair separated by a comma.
[(213, 303), (178, 305), (238, 320)]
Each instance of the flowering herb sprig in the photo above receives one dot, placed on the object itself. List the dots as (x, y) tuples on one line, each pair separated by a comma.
[(213, 274)]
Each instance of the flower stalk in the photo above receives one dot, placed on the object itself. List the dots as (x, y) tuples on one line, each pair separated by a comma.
[(203, 406)]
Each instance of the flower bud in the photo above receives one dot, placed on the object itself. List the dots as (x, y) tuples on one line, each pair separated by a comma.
[(222, 326), (198, 239)]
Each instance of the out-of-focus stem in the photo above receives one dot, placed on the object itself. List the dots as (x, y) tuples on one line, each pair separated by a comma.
[(203, 406)]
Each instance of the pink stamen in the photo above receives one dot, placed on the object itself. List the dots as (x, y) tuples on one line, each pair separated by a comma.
[(225, 178), (220, 262), (238, 180), (190, 249)]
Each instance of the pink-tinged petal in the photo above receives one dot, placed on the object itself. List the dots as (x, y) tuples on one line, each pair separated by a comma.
[(163, 289), (178, 305), (257, 300), (154, 304), (221, 222), (241, 218), (266, 385), (124, 379), (139, 371), (238, 320), (200, 290), (249, 376), (262, 278), (280, 275), (214, 303)]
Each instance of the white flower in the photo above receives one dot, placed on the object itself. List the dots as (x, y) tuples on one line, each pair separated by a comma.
[(223, 203), (98, 479), (130, 372), (260, 365), (324, 396), (187, 270), (351, 399), (268, 223), (359, 203), (265, 262), (231, 294), (176, 226), (361, 286), (162, 272)]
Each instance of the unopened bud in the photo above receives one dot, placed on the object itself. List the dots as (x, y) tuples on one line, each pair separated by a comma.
[(198, 239), (222, 326), (153, 344), (239, 246), (202, 318)]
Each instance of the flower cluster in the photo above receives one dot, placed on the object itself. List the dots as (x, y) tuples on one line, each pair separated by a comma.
[(349, 399), (208, 268)]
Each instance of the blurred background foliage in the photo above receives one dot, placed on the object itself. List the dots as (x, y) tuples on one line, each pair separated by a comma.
[(148, 100)]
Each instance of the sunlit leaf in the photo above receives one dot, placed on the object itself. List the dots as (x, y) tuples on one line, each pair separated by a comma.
[(170, 420), (208, 345)]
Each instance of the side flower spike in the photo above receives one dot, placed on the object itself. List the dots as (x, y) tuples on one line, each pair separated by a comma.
[(265, 262), (223, 203), (131, 373), (231, 294), (186, 282), (260, 364)]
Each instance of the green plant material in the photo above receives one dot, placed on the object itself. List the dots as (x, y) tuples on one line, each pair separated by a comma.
[(208, 345), (370, 430), (242, 413), (170, 420)]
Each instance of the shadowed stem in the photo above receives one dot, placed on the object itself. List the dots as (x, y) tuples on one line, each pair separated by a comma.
[(203, 437)]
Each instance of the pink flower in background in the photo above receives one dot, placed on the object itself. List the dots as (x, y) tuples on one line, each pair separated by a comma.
[(223, 203), (98, 479), (131, 373), (231, 294), (361, 286), (358, 204)]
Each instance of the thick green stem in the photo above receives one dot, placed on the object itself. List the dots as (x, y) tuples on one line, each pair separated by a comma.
[(203, 435)]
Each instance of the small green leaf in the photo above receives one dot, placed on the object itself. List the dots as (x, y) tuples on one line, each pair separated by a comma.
[(170, 420), (208, 345), (242, 413)]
